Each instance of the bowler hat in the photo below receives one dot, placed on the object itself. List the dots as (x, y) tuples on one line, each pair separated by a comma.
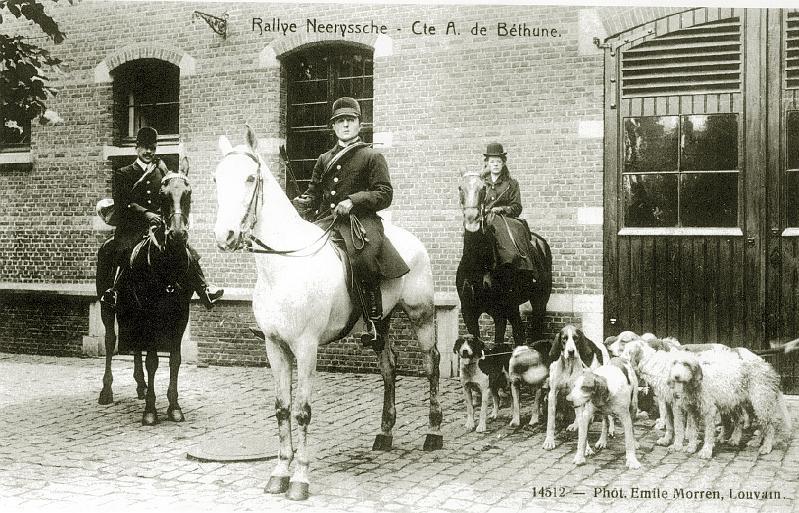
[(345, 106), (494, 150), (146, 136)]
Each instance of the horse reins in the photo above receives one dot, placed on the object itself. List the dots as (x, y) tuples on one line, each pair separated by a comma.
[(251, 216)]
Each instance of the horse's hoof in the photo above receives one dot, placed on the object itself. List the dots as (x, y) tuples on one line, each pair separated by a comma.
[(433, 442), (277, 484), (298, 491), (149, 419), (141, 392), (382, 442), (175, 415), (106, 397)]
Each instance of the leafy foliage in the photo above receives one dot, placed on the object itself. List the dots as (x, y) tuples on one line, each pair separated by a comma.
[(23, 83)]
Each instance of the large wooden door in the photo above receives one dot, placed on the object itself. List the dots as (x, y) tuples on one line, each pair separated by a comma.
[(782, 186), (702, 179)]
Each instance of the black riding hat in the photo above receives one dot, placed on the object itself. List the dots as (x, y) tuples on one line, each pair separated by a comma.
[(146, 136), (495, 149)]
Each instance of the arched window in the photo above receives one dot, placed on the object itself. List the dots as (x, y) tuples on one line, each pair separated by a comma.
[(315, 77), (146, 93)]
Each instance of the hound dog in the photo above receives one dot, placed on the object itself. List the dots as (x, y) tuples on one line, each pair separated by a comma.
[(571, 352), (723, 382), (609, 389), (529, 365), (482, 375)]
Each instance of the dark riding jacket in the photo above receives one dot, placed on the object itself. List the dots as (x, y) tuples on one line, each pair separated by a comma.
[(134, 195), (362, 176), (504, 193)]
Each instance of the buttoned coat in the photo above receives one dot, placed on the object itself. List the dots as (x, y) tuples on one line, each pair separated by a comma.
[(362, 176), (133, 197), (504, 193)]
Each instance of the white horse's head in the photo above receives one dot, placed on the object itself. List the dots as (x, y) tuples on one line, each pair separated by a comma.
[(239, 189)]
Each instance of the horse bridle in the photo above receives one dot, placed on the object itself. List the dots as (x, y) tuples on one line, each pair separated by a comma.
[(165, 180), (251, 216)]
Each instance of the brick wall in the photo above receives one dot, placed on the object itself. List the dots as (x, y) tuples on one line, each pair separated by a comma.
[(42, 324), (440, 97)]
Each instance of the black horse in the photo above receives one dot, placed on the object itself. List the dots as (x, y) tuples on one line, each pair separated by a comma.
[(484, 288), (153, 306)]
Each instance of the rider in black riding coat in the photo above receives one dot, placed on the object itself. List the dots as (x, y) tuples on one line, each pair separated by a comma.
[(135, 191), (351, 183)]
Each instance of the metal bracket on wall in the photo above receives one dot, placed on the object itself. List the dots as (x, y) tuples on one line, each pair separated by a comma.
[(217, 24), (614, 47)]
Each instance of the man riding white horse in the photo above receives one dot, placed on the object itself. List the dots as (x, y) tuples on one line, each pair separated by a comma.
[(349, 184)]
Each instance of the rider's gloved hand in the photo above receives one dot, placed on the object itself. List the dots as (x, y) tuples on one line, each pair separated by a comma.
[(344, 207), (499, 210), (153, 218)]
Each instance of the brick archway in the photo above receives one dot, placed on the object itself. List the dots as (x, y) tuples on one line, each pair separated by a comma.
[(184, 61)]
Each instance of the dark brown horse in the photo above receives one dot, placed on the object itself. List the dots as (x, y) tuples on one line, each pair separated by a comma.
[(482, 288), (153, 307)]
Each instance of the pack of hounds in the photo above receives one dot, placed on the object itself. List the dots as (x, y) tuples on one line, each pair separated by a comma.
[(712, 390)]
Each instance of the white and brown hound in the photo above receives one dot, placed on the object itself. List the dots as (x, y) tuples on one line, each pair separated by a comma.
[(481, 375), (571, 352)]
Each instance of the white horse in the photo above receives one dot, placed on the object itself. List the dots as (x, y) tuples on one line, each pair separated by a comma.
[(301, 300)]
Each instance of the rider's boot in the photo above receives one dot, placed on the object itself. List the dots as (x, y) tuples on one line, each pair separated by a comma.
[(373, 303), (208, 294)]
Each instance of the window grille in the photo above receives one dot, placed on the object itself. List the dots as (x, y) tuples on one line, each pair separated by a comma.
[(701, 59)]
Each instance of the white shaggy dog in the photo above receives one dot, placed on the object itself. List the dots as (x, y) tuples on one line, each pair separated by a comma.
[(609, 390), (725, 382)]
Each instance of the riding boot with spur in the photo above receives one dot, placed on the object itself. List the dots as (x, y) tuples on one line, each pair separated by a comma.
[(373, 304), (208, 294)]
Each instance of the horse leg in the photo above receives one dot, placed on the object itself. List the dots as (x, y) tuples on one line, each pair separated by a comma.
[(306, 364), (471, 319), (107, 315), (173, 412), (150, 417), (138, 375), (388, 368), (500, 325), (517, 326), (422, 317), (280, 362), (537, 318)]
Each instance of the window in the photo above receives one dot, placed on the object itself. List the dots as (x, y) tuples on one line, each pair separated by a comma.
[(146, 93), (316, 77), (15, 132), (681, 171)]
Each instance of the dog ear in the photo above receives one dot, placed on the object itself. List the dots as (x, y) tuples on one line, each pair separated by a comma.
[(696, 373), (478, 347), (557, 346), (458, 343), (600, 394)]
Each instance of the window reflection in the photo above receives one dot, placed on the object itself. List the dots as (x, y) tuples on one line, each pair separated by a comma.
[(650, 200), (650, 144), (709, 143), (666, 184)]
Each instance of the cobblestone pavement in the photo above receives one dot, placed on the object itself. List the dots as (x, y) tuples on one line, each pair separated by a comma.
[(60, 450)]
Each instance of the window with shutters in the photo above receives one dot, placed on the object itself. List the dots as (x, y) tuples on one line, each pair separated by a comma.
[(316, 77)]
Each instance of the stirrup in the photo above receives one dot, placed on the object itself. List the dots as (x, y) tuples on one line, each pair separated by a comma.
[(110, 298)]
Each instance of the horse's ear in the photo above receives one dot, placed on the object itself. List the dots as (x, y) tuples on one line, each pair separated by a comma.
[(184, 166), (224, 145), (252, 139)]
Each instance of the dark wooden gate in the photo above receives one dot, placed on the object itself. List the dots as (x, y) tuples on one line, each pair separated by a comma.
[(699, 241)]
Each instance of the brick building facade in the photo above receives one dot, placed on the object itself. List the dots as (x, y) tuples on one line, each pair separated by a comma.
[(437, 100)]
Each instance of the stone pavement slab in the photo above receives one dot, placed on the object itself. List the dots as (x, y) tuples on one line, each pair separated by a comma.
[(61, 451)]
